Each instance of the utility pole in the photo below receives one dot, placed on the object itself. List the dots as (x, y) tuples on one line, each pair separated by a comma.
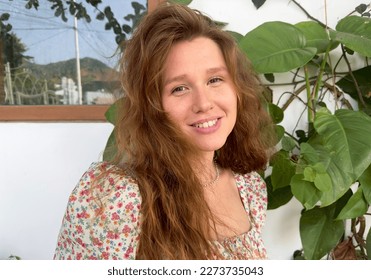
[(78, 71)]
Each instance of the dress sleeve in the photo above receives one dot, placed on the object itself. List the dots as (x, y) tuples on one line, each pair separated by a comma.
[(256, 193), (101, 222)]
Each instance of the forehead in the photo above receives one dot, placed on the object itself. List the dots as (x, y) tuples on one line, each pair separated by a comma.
[(198, 44), (200, 52)]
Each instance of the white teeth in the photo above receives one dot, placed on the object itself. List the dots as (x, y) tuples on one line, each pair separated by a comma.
[(206, 124)]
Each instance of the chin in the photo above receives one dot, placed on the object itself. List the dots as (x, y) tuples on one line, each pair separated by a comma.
[(211, 147)]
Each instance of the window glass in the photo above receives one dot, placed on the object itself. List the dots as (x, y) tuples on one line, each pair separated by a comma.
[(51, 58)]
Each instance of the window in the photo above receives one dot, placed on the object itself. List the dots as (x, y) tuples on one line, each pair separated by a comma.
[(44, 85)]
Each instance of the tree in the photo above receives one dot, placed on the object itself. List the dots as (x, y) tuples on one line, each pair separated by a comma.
[(13, 51), (4, 32)]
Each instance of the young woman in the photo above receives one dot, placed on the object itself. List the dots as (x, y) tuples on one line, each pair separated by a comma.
[(190, 140)]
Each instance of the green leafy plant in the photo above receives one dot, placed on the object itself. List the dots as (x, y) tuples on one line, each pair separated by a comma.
[(326, 165)]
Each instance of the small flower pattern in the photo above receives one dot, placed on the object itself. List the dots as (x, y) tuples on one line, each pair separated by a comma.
[(91, 234)]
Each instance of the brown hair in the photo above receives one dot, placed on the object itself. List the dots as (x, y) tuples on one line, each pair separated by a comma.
[(175, 219)]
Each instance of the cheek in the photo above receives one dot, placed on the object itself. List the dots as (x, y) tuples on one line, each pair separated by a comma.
[(171, 109), (176, 107), (232, 102), (234, 107), (166, 104)]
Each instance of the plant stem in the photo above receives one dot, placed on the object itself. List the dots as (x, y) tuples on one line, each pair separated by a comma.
[(293, 96), (358, 235), (308, 15), (320, 74), (290, 83), (363, 103), (310, 102)]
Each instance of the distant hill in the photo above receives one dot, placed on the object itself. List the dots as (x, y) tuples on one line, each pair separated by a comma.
[(95, 75)]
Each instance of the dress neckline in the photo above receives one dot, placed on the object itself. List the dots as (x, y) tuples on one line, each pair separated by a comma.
[(233, 238)]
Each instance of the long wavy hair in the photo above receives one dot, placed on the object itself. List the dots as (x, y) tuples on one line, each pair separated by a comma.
[(176, 222)]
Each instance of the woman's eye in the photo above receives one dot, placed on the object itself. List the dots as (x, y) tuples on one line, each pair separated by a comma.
[(214, 80), (179, 89)]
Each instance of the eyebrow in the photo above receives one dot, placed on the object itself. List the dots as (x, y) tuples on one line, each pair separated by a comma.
[(216, 69), (208, 71), (175, 79)]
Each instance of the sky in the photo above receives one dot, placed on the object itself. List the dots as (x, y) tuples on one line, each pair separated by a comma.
[(49, 39)]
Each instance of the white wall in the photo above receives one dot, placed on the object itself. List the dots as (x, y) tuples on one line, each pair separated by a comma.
[(40, 163)]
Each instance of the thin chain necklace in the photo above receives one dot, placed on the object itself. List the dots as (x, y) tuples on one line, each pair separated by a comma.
[(213, 182)]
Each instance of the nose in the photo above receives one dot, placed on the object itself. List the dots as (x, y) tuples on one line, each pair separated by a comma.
[(202, 101)]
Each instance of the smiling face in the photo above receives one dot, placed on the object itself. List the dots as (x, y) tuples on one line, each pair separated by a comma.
[(198, 93)]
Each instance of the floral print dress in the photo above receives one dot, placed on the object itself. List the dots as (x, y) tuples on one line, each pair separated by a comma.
[(89, 233)]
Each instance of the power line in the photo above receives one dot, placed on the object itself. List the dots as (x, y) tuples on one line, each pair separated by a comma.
[(47, 38), (41, 29), (97, 49)]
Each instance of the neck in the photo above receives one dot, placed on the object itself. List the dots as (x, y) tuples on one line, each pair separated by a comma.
[(206, 170), (216, 178)]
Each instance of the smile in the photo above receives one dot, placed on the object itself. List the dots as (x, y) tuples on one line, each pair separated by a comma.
[(206, 124)]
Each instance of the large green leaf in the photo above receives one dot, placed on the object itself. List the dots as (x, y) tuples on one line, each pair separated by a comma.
[(111, 113), (279, 197), (237, 36), (341, 180), (344, 148), (317, 174), (282, 171), (365, 182), (288, 143), (355, 207), (279, 131), (313, 155), (304, 191), (342, 201), (275, 112), (275, 47), (347, 134), (355, 33), (315, 35), (110, 150), (319, 232), (308, 153)]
